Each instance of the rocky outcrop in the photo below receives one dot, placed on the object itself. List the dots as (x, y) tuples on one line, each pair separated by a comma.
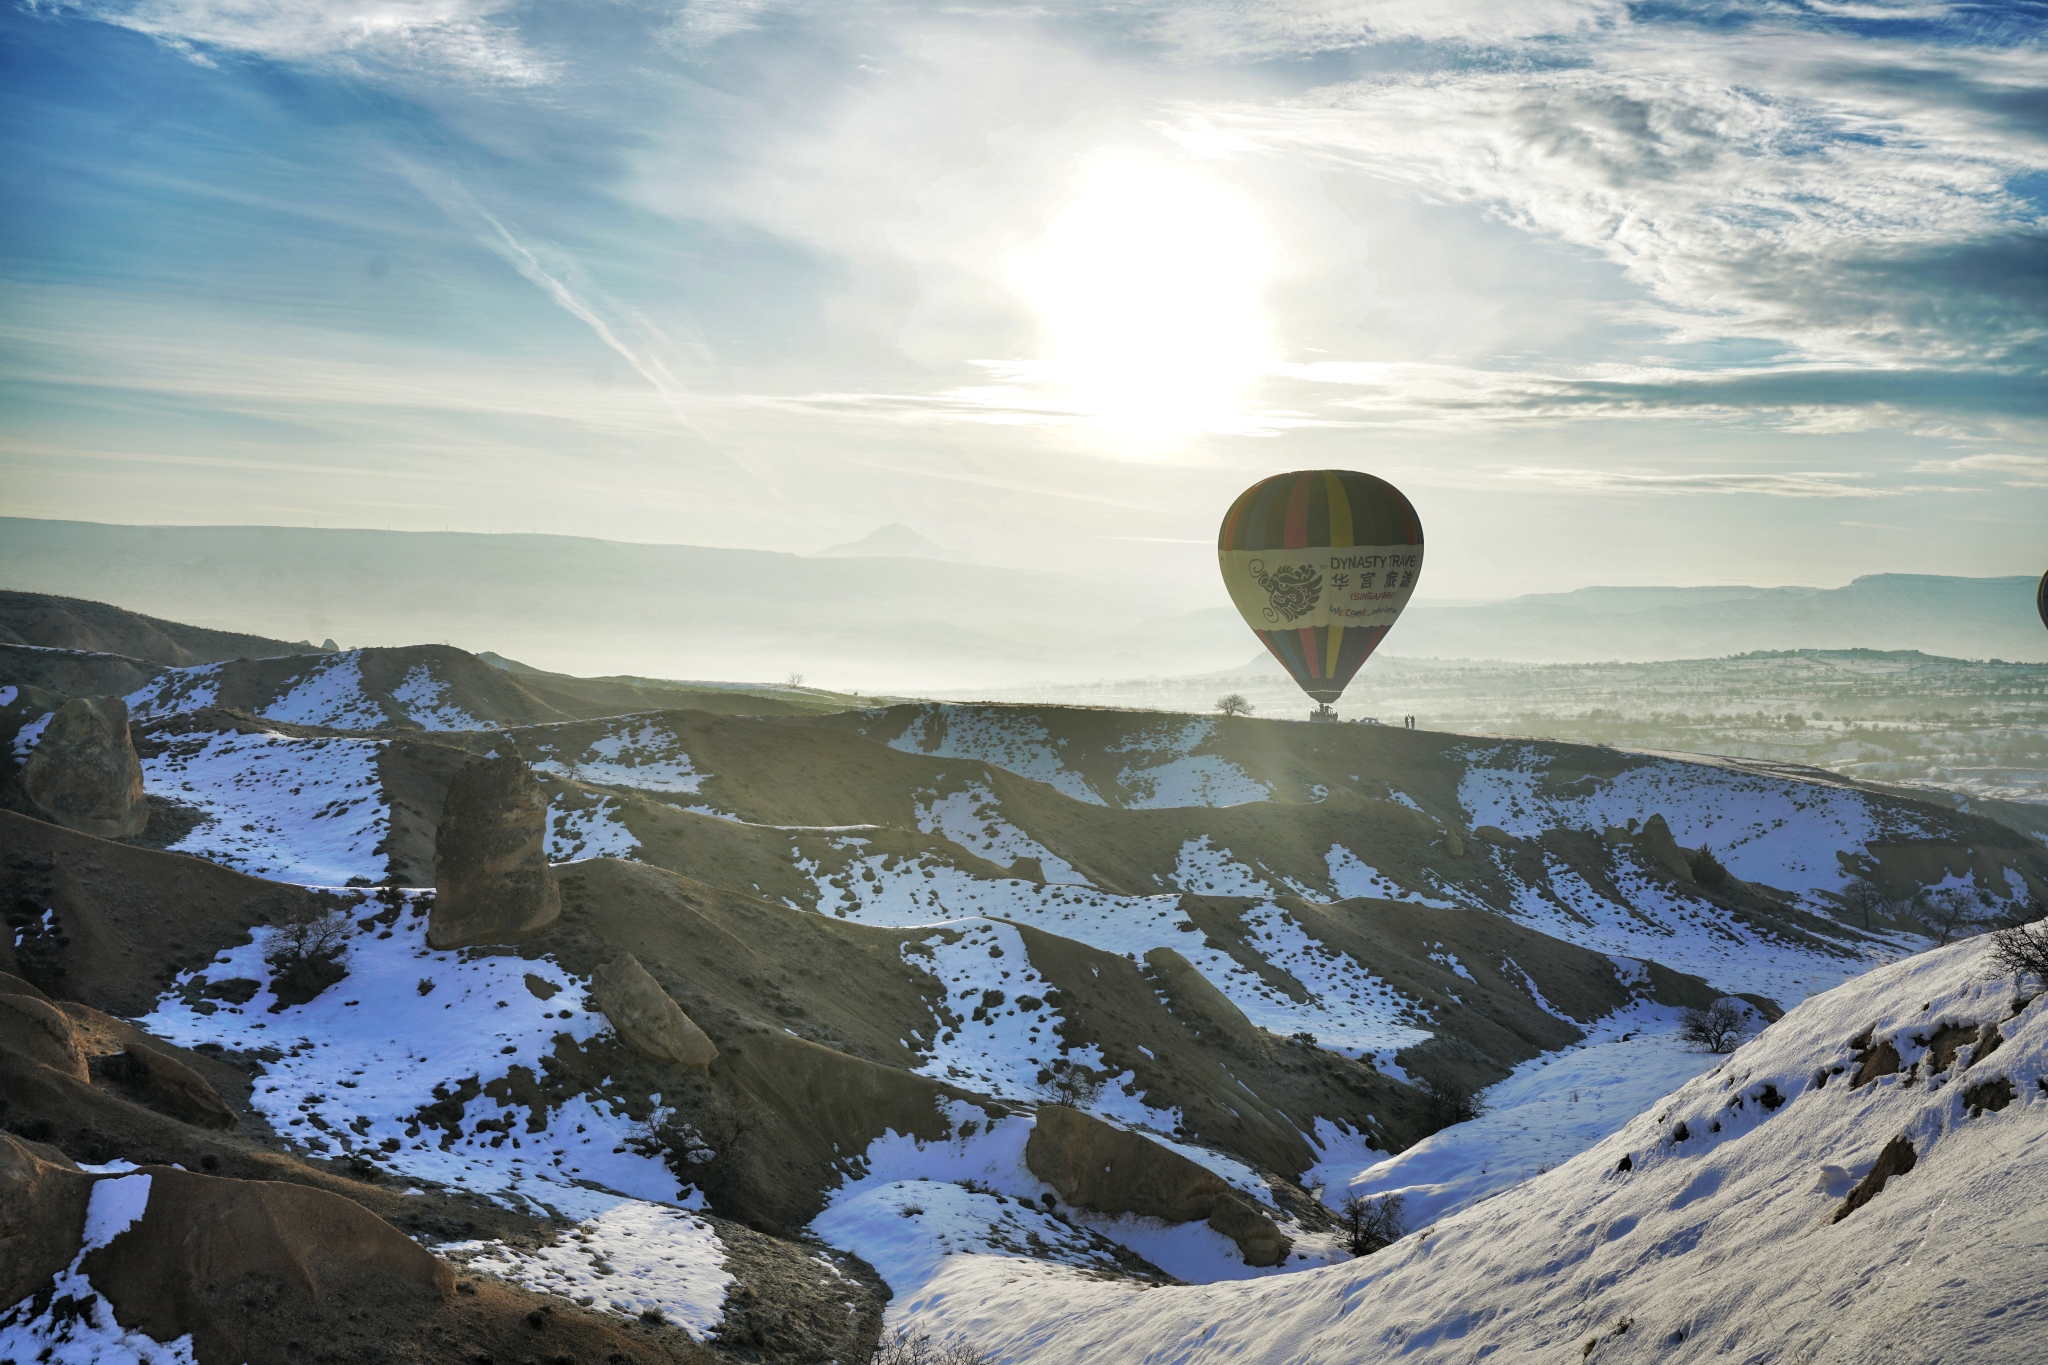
[(1658, 844), (1202, 1007), (205, 1243), (42, 1215), (145, 1068), (491, 878), (646, 1018), (83, 772), (1095, 1165), (34, 1029)]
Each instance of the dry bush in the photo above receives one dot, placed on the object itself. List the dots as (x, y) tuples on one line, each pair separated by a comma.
[(1074, 1086), (907, 1348), (2022, 948), (1450, 1101), (1234, 704), (1370, 1224), (307, 933)]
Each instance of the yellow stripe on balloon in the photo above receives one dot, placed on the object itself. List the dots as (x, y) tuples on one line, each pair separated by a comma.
[(1340, 511)]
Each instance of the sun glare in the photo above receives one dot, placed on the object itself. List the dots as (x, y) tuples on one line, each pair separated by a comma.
[(1149, 289)]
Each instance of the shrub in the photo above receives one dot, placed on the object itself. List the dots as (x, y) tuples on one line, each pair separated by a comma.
[(907, 1348), (1234, 704), (1074, 1086), (307, 933), (2022, 949), (1370, 1224), (1717, 1028), (1707, 870), (1450, 1101)]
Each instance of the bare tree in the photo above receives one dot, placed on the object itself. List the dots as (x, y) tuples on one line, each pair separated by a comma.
[(1952, 912), (1371, 1224), (1717, 1028), (796, 679), (1234, 704), (1863, 896)]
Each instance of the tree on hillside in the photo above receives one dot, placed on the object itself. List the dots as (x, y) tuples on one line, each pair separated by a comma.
[(1706, 868), (1717, 1028), (1953, 912), (1371, 1224), (1234, 704)]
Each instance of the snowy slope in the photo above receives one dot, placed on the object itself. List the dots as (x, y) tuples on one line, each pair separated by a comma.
[(1718, 1241)]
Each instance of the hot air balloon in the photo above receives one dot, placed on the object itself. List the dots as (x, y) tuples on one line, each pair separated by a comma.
[(1320, 562), (2041, 598)]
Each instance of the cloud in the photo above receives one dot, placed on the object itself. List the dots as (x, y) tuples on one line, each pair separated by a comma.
[(1230, 30), (462, 37), (1791, 485), (2017, 471), (1789, 186)]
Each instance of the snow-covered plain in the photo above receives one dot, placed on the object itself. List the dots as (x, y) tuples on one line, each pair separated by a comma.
[(1706, 1228), (1008, 739)]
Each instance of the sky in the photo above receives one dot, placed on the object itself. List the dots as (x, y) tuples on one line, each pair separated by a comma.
[(1617, 293)]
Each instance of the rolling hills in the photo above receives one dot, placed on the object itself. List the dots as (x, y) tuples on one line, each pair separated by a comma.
[(1271, 952)]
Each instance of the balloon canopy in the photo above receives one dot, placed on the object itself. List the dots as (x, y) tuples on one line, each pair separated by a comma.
[(2041, 598), (1320, 562)]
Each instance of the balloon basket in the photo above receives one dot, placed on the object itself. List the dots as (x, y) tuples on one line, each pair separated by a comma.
[(1324, 713)]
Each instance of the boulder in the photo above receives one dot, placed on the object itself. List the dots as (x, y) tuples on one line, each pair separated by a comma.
[(1095, 1165), (149, 1068), (38, 1031), (646, 1017), (83, 772), (1655, 838), (491, 877), (207, 1249), (42, 1215)]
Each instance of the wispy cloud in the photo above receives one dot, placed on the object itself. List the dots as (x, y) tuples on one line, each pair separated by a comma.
[(469, 38), (1783, 185), (2013, 470), (1785, 485)]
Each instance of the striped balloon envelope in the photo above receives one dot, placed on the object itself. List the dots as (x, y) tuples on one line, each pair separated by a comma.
[(1320, 562)]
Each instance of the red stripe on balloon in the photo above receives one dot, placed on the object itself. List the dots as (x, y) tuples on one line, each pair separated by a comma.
[(1308, 650), (1297, 513)]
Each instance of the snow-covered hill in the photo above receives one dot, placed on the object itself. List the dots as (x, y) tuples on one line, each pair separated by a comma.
[(905, 929), (1738, 1218)]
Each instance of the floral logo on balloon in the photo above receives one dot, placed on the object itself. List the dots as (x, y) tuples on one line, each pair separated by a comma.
[(1292, 590)]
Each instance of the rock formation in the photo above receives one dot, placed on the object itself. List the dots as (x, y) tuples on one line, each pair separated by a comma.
[(83, 772), (37, 1031), (645, 1016), (491, 878), (1095, 1165)]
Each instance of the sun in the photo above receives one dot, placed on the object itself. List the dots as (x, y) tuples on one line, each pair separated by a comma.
[(1149, 288)]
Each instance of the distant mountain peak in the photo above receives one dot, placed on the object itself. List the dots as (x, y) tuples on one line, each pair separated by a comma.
[(894, 541)]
